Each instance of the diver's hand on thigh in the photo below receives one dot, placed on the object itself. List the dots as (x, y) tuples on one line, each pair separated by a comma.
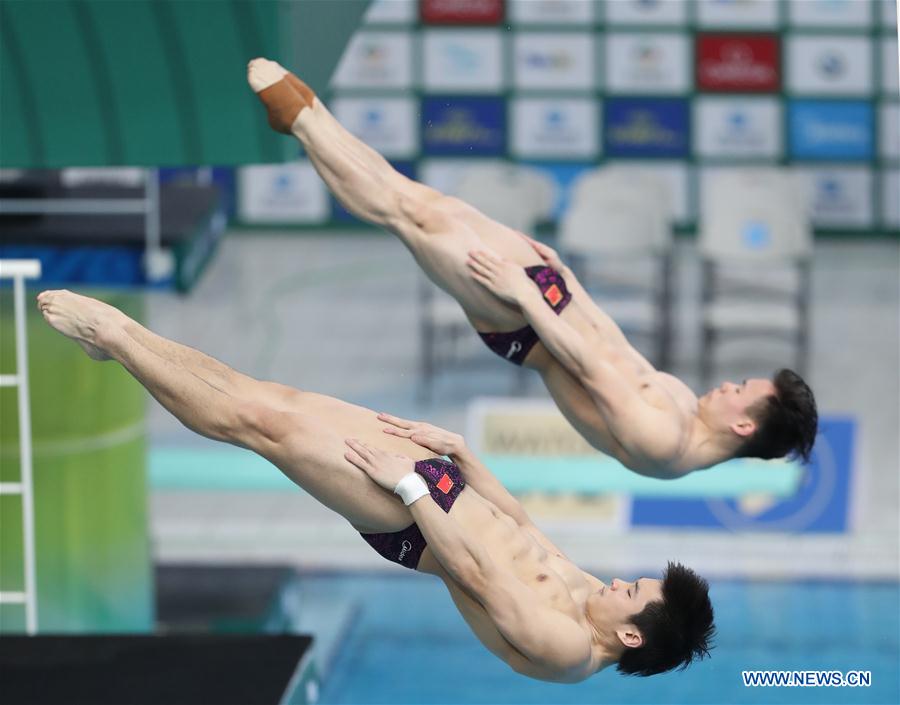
[(386, 469), (503, 278), (546, 253), (424, 434)]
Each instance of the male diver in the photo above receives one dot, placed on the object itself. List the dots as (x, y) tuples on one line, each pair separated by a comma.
[(528, 308), (525, 601)]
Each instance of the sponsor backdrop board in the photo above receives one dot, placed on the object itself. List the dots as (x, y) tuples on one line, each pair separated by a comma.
[(469, 60), (639, 62), (737, 127), (555, 127), (675, 86)]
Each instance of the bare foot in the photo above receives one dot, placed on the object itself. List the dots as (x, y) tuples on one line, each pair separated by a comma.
[(79, 318), (269, 80)]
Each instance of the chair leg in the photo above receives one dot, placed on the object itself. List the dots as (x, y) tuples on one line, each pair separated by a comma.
[(665, 305), (426, 363), (706, 356), (519, 381)]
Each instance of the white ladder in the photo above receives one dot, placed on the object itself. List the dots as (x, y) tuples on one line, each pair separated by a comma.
[(19, 270)]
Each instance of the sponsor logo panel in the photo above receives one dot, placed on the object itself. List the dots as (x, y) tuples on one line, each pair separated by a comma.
[(736, 62), (556, 12), (890, 197), (376, 60), (839, 196), (463, 60), (890, 67), (648, 63), (889, 130), (283, 193), (743, 127), (830, 13), (461, 11), (464, 125), (555, 128), (828, 129), (737, 13), (554, 61), (655, 12), (830, 65), (391, 12), (388, 125), (646, 127), (889, 14)]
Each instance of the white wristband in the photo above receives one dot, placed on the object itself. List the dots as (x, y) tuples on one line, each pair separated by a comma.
[(410, 488)]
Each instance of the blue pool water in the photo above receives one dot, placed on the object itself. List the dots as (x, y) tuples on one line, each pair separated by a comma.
[(407, 644)]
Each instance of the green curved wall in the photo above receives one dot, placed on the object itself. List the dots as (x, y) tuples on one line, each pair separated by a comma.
[(94, 565), (154, 82)]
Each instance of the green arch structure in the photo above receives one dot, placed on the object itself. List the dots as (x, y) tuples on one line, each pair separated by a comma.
[(154, 82), (136, 83)]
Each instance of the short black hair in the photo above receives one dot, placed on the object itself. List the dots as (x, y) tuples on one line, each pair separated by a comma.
[(787, 422), (676, 629)]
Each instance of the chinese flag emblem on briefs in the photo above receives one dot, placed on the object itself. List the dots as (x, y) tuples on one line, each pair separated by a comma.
[(553, 295), (445, 484)]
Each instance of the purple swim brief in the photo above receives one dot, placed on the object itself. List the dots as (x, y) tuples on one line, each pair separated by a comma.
[(405, 547), (515, 345)]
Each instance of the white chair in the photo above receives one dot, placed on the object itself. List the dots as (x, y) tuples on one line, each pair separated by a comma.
[(617, 236), (517, 196), (756, 246)]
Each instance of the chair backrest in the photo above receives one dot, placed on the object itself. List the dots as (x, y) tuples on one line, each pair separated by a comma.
[(754, 215), (515, 195), (617, 211)]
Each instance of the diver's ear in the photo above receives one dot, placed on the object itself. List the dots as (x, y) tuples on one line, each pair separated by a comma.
[(744, 428), (630, 637)]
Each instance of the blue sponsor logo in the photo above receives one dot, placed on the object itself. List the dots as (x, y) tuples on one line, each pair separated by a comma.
[(832, 64), (464, 125), (462, 58), (373, 118), (820, 502), (548, 61), (822, 129), (647, 127)]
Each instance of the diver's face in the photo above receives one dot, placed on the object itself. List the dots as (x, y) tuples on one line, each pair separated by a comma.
[(611, 607), (730, 402)]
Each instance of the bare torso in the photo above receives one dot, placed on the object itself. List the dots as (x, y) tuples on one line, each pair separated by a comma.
[(443, 257), (659, 389), (531, 558), (523, 553)]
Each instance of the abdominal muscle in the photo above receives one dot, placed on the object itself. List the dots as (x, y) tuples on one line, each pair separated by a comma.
[(516, 552), (581, 410)]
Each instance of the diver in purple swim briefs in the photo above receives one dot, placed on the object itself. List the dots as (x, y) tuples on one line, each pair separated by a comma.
[(649, 420), (450, 517)]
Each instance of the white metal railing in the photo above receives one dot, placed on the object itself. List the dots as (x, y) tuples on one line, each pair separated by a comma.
[(19, 270)]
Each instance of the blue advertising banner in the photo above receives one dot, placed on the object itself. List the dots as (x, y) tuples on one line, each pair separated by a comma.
[(819, 505), (831, 129), (647, 127), (464, 126)]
